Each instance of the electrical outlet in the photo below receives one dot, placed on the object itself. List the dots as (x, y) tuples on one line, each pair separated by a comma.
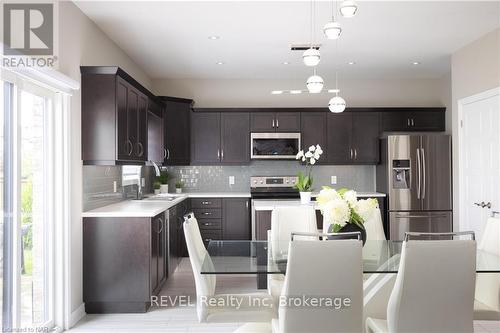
[(333, 181), (143, 182), (114, 186), (231, 180)]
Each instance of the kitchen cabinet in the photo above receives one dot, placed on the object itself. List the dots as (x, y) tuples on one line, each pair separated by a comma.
[(353, 138), (219, 138), (173, 239), (114, 117), (123, 262), (275, 121), (413, 119), (156, 152), (236, 219), (314, 131), (177, 119)]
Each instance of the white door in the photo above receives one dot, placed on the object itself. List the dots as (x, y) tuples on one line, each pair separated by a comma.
[(480, 160)]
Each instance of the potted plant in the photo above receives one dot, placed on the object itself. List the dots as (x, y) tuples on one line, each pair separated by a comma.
[(178, 186), (156, 186), (343, 212), (305, 180), (164, 178)]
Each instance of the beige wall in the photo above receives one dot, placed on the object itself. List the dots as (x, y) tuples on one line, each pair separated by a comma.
[(256, 93), (81, 42), (475, 68)]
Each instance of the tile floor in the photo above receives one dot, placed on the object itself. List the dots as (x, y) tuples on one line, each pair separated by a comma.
[(183, 319)]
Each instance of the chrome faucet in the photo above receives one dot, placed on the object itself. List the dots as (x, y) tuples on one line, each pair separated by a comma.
[(157, 169)]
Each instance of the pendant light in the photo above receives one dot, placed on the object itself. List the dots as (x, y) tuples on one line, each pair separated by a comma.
[(311, 56), (337, 104), (314, 83), (332, 29), (348, 8)]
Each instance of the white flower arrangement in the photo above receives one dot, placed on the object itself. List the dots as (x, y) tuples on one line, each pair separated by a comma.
[(342, 207), (310, 157)]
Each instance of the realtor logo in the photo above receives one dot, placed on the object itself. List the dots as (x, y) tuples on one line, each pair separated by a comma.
[(28, 29)]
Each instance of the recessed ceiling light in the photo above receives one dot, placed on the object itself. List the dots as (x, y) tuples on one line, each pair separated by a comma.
[(294, 92), (351, 63), (220, 63), (276, 92), (286, 63), (415, 63), (213, 37)]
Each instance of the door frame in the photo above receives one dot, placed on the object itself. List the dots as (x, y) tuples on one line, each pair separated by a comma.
[(462, 224)]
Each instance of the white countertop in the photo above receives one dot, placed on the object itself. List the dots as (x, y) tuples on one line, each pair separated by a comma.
[(218, 194)]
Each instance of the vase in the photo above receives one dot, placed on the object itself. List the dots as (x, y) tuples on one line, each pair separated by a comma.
[(164, 188), (305, 198), (178, 190), (349, 227)]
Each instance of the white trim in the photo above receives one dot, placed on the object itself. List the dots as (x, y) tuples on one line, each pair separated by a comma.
[(77, 315), (462, 224), (49, 78)]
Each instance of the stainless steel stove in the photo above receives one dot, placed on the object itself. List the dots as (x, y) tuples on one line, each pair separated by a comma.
[(273, 187)]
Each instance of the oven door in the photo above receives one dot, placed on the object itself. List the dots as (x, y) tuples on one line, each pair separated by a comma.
[(274, 145)]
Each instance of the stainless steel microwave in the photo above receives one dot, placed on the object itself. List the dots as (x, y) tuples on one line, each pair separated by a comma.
[(274, 145)]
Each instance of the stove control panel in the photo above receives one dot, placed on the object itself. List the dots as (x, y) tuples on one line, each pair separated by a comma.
[(273, 181)]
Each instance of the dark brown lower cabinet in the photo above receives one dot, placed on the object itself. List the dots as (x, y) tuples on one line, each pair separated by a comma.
[(123, 263), (236, 219)]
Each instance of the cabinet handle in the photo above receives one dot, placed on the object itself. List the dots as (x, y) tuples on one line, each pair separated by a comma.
[(207, 223), (408, 122), (140, 149), (222, 154), (206, 213), (161, 225), (208, 240), (273, 123), (206, 202), (218, 153), (355, 153), (246, 204), (412, 122), (129, 147), (164, 153), (277, 123), (168, 154), (351, 153)]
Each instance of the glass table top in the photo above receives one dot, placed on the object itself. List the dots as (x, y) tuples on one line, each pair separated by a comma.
[(251, 257)]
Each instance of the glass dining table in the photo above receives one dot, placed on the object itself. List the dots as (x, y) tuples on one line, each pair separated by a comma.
[(251, 257)]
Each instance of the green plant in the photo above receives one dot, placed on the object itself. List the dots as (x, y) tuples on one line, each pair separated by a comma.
[(179, 184), (165, 177), (304, 183), (156, 185)]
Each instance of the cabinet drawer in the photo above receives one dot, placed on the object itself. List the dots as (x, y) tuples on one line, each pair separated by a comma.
[(206, 202), (206, 224), (208, 235), (207, 213)]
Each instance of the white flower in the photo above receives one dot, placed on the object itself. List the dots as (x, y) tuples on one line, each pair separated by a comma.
[(325, 195), (309, 154), (312, 160), (312, 148), (316, 155), (303, 159), (337, 211), (300, 154), (319, 150), (366, 208), (351, 197)]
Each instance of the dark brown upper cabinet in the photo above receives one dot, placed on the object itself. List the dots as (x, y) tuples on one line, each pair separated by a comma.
[(353, 138), (314, 132), (114, 117), (275, 121), (177, 125), (220, 138), (156, 150), (413, 119)]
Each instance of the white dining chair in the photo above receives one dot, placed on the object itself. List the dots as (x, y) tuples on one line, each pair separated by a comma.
[(284, 221), (335, 272), (206, 283), (374, 227), (487, 302), (434, 289)]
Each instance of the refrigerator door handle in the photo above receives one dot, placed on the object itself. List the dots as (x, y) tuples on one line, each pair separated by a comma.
[(424, 173), (402, 216), (419, 173)]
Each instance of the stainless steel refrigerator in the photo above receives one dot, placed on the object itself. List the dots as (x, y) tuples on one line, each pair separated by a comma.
[(415, 173)]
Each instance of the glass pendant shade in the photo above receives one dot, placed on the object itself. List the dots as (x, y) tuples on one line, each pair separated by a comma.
[(337, 104), (348, 8), (314, 84), (311, 57), (332, 30)]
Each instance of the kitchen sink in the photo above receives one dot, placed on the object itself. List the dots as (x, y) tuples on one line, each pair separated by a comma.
[(162, 197)]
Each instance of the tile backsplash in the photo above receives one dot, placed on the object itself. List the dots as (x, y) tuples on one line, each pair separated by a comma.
[(98, 180)]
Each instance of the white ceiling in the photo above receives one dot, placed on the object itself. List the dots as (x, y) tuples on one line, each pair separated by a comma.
[(170, 39)]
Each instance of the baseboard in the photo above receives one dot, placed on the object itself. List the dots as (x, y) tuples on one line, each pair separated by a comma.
[(76, 315)]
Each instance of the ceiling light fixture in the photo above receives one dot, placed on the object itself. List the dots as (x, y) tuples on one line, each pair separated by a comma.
[(220, 63), (332, 29), (351, 63), (315, 83), (337, 104), (348, 8), (286, 63), (415, 63), (213, 37), (277, 92), (311, 56)]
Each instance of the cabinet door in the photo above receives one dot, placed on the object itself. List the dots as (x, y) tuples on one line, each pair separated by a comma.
[(132, 117), (365, 138), (339, 138), (162, 249), (205, 138), (427, 121), (141, 148), (155, 137), (395, 121), (287, 121), (177, 133), (262, 122), (154, 253), (236, 219), (235, 138), (125, 147), (313, 129)]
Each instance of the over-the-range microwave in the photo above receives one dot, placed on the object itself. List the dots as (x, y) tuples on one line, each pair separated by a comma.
[(274, 145)]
